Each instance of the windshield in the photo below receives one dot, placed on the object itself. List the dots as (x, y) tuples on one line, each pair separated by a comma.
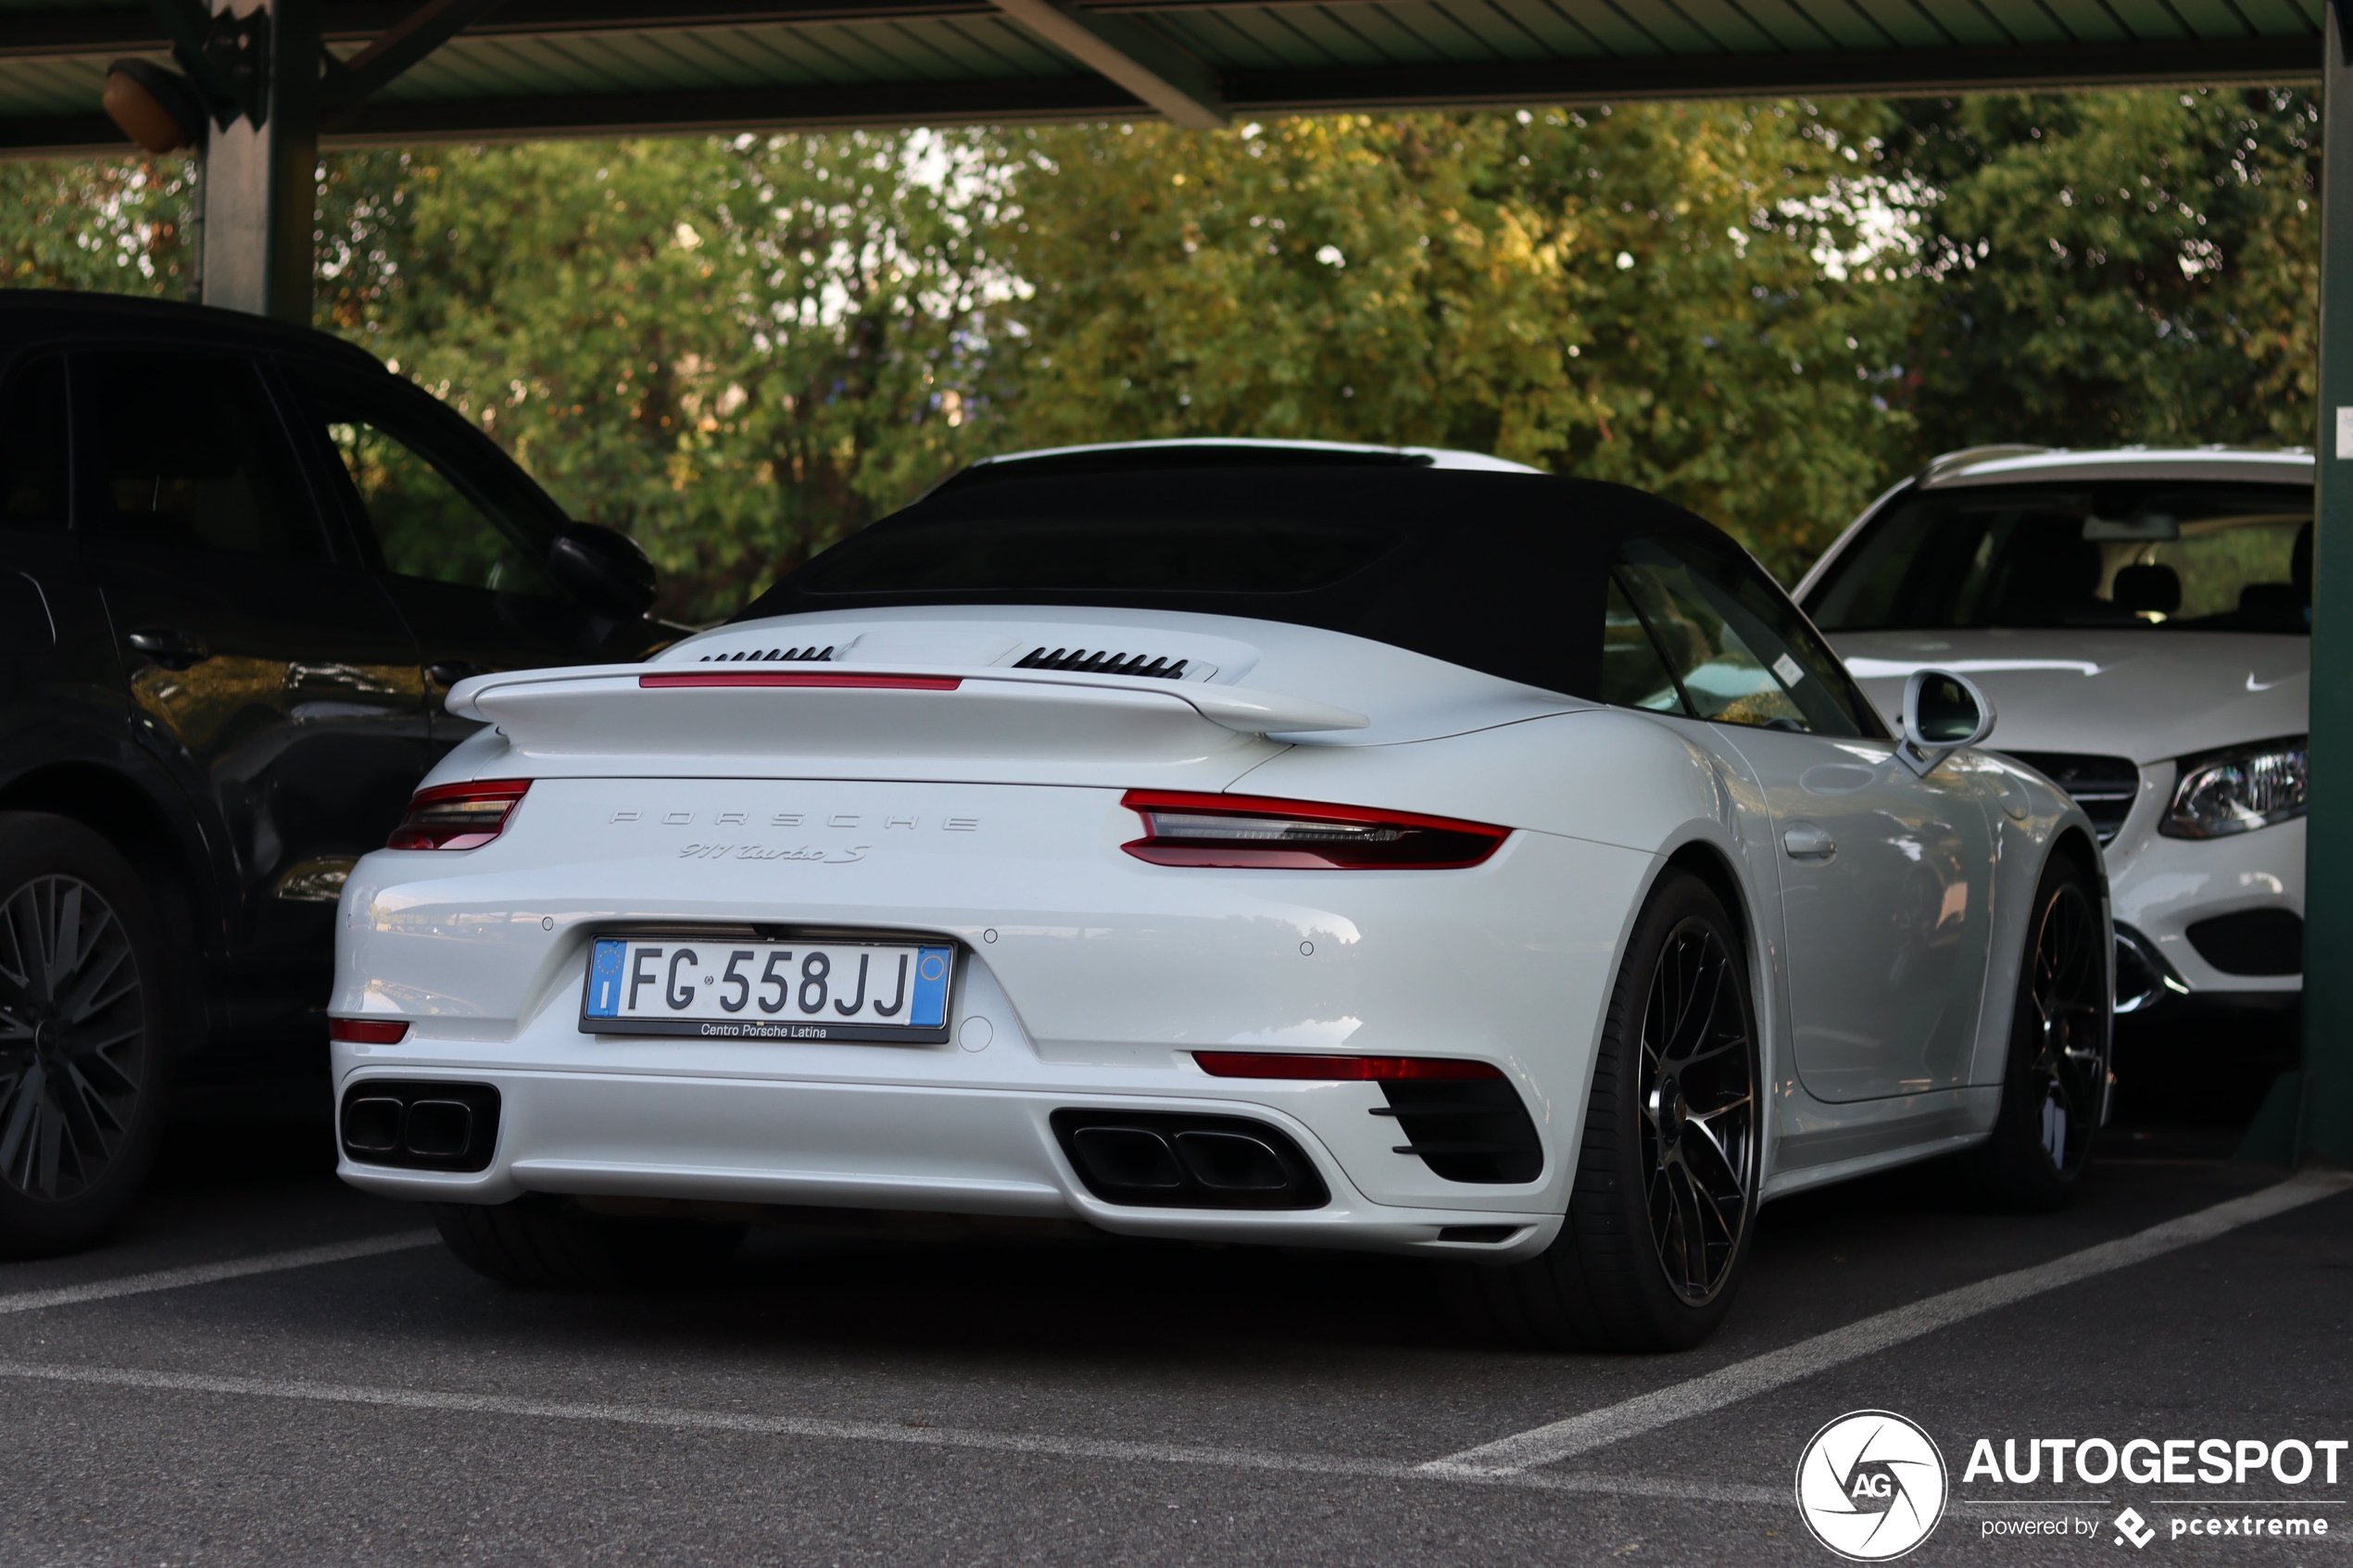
[(2118, 555)]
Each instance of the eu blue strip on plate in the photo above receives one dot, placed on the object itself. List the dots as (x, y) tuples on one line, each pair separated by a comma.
[(604, 978)]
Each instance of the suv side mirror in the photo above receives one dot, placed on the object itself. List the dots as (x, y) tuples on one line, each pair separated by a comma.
[(1943, 712), (604, 569)]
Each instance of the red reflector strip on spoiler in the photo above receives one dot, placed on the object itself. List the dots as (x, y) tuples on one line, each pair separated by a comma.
[(1344, 1069), (367, 1031), (798, 678)]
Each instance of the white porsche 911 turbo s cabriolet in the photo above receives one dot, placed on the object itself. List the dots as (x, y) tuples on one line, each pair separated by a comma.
[(1320, 847)]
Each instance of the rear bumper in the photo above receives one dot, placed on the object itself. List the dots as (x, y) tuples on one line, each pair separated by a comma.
[(927, 1148)]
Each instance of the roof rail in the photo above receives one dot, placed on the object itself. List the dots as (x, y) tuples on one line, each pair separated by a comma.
[(1943, 463)]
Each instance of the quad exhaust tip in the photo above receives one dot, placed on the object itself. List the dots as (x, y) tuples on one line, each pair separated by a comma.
[(1159, 1160), (420, 1126)]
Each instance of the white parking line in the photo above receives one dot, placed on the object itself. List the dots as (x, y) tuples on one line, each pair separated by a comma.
[(677, 1420), (1760, 1374), (208, 1273)]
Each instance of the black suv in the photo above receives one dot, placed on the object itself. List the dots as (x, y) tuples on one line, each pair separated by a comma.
[(239, 564)]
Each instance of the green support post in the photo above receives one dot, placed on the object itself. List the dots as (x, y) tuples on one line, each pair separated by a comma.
[(2323, 1130)]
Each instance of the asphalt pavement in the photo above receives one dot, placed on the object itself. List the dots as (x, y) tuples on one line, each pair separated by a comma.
[(267, 1367)]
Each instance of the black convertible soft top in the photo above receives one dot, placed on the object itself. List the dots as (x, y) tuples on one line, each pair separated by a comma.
[(1502, 572)]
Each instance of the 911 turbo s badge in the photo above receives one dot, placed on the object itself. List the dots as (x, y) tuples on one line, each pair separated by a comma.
[(761, 852)]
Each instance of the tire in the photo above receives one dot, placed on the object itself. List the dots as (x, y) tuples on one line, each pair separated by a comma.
[(1665, 1200), (85, 1058), (541, 1242), (2055, 1083)]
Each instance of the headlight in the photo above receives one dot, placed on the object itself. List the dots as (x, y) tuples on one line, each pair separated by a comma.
[(2238, 790)]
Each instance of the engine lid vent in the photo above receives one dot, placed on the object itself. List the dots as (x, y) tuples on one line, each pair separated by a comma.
[(809, 655), (1102, 662)]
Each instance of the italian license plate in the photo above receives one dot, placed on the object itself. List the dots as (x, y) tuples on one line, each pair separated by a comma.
[(717, 989)]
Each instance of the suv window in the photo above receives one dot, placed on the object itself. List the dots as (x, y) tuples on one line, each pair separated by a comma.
[(433, 514), (33, 446), (2130, 555), (189, 454), (1730, 644)]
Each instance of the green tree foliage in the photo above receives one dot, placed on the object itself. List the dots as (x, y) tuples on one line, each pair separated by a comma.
[(2113, 266), (1636, 295), (735, 350), (741, 349), (119, 225)]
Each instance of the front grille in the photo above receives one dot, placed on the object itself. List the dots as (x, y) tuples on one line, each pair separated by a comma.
[(1102, 662), (809, 655), (2104, 786), (1465, 1129)]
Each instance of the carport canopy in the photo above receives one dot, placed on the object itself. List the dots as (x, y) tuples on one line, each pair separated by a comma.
[(282, 77)]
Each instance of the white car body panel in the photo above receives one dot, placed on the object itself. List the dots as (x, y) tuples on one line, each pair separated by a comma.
[(2151, 697), (1085, 977)]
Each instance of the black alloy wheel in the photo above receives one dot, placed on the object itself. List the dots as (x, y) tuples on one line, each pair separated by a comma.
[(2055, 1091), (1698, 1094), (1664, 1202), (79, 1072)]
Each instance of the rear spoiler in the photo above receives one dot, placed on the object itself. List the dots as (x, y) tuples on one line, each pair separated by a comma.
[(572, 699)]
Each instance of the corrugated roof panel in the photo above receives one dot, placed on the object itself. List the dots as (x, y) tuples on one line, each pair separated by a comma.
[(1442, 34), (1351, 34), (2150, 19), (1725, 27), (2276, 19), (1843, 24), (1557, 34), (2212, 19), (2028, 22), (1787, 26), (2091, 21), (1905, 23), (51, 86), (1618, 32), (1497, 30), (1255, 38)]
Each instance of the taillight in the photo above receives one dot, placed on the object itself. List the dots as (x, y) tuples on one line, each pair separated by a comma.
[(1240, 830), (367, 1031), (1343, 1069), (458, 816)]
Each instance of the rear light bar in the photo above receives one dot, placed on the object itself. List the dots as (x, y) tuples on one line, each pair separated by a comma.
[(780, 678), (1248, 831), (1342, 1069), (367, 1031), (458, 816)]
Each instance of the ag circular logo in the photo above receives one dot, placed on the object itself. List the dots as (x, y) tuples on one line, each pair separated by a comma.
[(1872, 1486)]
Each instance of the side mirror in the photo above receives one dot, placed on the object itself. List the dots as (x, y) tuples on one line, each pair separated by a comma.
[(1943, 712), (604, 569)]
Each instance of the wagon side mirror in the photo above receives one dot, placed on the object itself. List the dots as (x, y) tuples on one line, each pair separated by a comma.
[(1943, 712), (604, 569)]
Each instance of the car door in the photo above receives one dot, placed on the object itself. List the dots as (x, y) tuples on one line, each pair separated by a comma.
[(266, 668), (1885, 876), (460, 535)]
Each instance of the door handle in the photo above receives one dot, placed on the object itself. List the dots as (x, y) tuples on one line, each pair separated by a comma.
[(172, 649), (1809, 844), (449, 671)]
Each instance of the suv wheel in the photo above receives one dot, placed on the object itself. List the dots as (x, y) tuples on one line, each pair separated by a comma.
[(83, 1063)]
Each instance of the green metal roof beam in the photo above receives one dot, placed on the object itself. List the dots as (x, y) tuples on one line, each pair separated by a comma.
[(1130, 54)]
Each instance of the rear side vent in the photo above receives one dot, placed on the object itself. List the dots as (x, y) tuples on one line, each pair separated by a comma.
[(420, 1126), (1465, 1130), (1101, 663), (1155, 1160), (2104, 786), (809, 655)]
